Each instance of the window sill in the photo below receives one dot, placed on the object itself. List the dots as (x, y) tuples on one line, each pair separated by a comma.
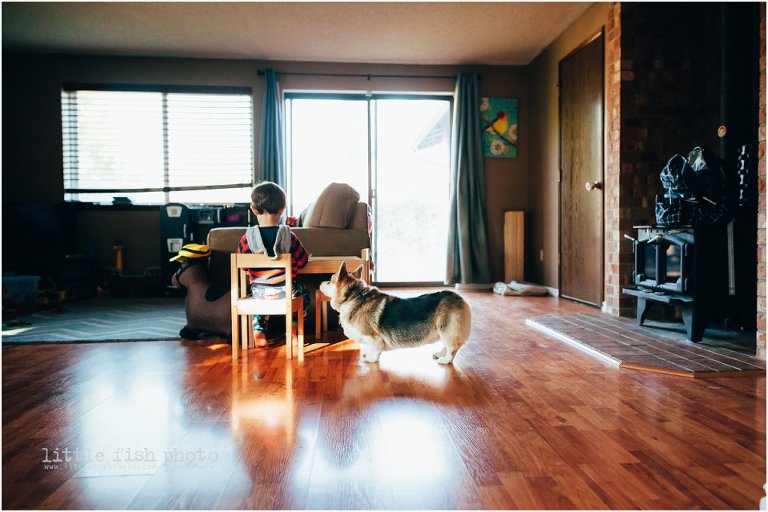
[(80, 206)]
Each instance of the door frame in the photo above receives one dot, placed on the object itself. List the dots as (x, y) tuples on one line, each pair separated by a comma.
[(597, 35)]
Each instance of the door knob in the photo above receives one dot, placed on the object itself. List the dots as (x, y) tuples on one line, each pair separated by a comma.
[(591, 186)]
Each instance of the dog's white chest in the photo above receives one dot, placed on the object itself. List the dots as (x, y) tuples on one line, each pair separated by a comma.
[(350, 331)]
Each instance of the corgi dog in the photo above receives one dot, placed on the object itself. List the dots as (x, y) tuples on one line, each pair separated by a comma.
[(380, 322)]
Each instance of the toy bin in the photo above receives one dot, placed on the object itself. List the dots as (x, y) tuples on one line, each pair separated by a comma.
[(20, 292)]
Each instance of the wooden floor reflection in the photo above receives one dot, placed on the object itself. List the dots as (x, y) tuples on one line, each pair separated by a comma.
[(519, 421)]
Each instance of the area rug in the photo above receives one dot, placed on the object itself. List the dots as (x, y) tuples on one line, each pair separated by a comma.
[(621, 342), (99, 320)]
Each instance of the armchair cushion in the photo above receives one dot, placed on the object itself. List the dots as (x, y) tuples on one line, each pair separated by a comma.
[(334, 207)]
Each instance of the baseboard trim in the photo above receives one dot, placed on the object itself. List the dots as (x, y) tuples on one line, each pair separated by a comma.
[(470, 287)]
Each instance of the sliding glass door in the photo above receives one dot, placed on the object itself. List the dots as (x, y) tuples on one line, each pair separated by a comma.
[(412, 158), (395, 150)]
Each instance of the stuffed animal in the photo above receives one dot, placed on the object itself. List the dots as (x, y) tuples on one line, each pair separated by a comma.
[(208, 309)]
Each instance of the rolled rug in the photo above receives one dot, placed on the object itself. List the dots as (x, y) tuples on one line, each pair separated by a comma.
[(502, 289), (527, 289), (520, 289)]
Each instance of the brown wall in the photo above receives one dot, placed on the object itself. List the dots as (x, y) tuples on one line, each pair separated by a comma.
[(32, 160), (544, 153), (507, 180), (139, 231)]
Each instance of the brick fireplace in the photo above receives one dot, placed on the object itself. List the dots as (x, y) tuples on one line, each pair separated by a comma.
[(663, 97)]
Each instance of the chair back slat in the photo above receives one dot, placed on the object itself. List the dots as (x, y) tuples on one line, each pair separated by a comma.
[(261, 261), (240, 263)]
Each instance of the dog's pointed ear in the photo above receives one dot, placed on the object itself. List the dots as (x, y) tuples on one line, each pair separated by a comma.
[(342, 269), (358, 273)]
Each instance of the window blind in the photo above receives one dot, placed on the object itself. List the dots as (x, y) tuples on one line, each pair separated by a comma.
[(157, 146)]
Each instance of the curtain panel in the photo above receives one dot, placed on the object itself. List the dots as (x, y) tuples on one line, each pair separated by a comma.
[(272, 161), (467, 238)]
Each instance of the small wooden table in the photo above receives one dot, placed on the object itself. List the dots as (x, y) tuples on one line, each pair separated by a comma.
[(330, 265)]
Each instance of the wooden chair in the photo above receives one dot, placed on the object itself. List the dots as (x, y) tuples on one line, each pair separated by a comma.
[(245, 307)]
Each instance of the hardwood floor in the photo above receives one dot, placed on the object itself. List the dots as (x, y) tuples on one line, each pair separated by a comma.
[(520, 421)]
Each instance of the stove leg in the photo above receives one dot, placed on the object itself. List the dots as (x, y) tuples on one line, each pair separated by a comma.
[(694, 324), (643, 306)]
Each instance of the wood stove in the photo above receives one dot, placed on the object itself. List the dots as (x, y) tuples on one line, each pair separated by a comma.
[(682, 266)]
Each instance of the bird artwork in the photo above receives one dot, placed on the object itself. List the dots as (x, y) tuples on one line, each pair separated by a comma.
[(500, 124), (499, 127)]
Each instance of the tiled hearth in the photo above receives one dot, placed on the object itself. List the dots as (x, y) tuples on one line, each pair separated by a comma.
[(621, 342)]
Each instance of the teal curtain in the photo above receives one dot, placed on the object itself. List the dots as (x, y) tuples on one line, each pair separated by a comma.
[(272, 161), (468, 233)]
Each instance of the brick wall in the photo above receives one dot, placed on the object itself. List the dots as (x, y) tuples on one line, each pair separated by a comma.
[(761, 212), (661, 99), (615, 246)]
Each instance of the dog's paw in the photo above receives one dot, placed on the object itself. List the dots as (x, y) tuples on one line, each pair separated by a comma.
[(448, 359), (371, 358), (439, 353)]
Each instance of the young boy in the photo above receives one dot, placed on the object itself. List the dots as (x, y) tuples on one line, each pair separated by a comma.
[(272, 238)]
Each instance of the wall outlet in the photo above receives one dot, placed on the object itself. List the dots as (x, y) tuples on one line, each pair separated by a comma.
[(541, 255)]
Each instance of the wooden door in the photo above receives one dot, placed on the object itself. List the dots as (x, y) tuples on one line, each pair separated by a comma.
[(581, 173)]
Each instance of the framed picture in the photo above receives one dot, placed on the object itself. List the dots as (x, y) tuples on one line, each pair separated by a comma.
[(498, 121)]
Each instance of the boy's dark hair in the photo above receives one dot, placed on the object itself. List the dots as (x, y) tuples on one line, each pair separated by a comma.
[(268, 197)]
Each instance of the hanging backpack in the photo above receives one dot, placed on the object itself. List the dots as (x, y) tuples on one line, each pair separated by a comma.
[(695, 191)]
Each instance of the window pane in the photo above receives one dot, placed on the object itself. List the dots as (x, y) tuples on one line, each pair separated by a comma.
[(117, 141), (221, 195), (209, 143), (328, 142), (108, 197), (412, 189)]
